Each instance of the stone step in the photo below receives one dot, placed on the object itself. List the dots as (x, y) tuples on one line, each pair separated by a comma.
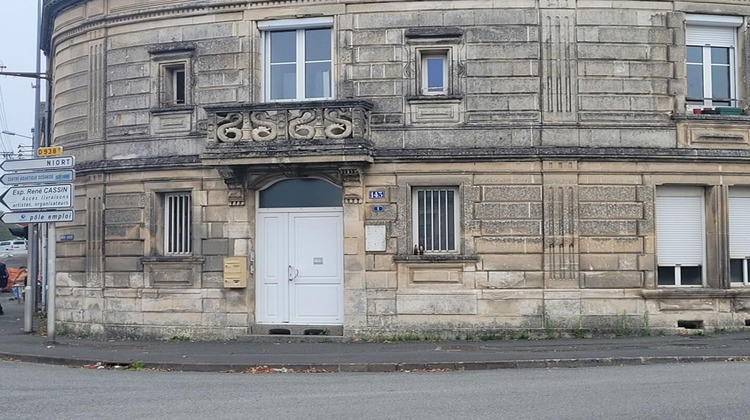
[(305, 330), (276, 338)]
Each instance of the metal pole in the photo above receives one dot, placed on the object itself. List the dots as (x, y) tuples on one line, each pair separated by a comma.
[(30, 289), (51, 273), (44, 264), (28, 305)]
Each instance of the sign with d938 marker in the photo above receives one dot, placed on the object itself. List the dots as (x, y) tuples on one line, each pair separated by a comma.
[(49, 151)]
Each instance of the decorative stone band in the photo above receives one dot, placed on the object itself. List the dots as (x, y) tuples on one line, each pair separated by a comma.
[(298, 121)]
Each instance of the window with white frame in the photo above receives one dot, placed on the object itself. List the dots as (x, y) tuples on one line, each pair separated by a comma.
[(434, 72), (177, 223), (297, 56), (711, 57), (739, 235), (435, 219), (680, 232)]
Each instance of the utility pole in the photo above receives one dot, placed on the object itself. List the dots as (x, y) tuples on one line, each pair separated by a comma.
[(33, 256)]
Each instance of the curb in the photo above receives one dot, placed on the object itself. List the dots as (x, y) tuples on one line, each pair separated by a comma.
[(379, 367)]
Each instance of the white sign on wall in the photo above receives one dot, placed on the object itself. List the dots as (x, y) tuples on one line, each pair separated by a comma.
[(375, 238)]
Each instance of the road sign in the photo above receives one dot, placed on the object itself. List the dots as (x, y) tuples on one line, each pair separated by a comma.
[(37, 198), (46, 177), (49, 151), (60, 162), (39, 216)]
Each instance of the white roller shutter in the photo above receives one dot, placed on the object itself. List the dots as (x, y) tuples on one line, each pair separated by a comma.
[(739, 222), (679, 226), (710, 35)]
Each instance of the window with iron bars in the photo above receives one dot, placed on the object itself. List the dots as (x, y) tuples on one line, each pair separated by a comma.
[(177, 224), (435, 219)]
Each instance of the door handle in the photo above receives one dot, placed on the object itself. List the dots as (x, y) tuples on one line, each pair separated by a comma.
[(292, 273)]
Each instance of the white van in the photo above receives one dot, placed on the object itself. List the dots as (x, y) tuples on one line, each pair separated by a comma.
[(6, 246), (19, 245)]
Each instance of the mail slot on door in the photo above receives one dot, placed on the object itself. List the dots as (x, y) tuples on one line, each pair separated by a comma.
[(235, 272)]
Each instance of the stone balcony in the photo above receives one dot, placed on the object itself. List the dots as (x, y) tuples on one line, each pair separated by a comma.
[(290, 132)]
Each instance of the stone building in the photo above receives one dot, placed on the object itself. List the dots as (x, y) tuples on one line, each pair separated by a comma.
[(362, 168)]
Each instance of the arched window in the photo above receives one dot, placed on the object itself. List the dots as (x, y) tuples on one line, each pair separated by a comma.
[(301, 192)]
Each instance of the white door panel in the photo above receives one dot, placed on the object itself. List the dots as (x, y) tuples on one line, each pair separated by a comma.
[(271, 271), (317, 257)]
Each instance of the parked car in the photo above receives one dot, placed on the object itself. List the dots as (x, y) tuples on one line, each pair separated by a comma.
[(19, 245), (6, 246)]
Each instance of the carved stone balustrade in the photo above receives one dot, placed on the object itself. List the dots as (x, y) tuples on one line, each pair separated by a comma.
[(301, 138), (300, 121)]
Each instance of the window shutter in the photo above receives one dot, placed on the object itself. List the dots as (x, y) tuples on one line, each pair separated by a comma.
[(679, 226), (739, 222), (710, 35)]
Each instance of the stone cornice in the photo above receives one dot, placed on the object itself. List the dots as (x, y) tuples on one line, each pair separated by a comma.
[(52, 8), (583, 153), (138, 164)]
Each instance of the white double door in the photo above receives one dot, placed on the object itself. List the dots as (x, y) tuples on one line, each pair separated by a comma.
[(300, 265)]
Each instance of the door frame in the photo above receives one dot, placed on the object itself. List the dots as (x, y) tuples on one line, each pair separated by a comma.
[(258, 250)]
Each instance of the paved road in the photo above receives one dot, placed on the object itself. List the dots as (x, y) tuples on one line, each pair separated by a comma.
[(693, 391), (13, 259)]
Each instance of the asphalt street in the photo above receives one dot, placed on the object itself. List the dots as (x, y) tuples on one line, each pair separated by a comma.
[(679, 391), (13, 259)]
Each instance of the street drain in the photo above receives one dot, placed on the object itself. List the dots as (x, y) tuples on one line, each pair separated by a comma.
[(279, 331)]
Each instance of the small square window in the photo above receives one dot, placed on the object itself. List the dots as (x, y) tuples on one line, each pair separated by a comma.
[(435, 218), (177, 223), (434, 71)]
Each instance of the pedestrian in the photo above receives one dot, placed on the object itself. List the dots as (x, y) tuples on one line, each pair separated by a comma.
[(3, 281)]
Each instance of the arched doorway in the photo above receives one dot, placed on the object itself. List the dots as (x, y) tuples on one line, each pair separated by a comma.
[(300, 253)]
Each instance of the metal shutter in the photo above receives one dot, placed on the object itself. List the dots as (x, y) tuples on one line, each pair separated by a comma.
[(739, 222), (679, 225)]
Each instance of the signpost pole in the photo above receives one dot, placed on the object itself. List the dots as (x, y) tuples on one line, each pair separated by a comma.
[(51, 274), (28, 321)]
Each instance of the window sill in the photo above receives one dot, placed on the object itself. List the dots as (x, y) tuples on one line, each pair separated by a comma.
[(188, 259), (169, 109), (434, 98), (435, 258), (693, 292), (711, 117)]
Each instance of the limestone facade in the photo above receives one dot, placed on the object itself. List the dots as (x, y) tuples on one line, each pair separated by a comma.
[(557, 127)]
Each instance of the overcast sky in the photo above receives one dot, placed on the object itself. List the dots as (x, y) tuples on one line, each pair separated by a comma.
[(18, 28), (18, 24)]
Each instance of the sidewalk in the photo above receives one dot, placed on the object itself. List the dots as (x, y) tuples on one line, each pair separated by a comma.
[(365, 357)]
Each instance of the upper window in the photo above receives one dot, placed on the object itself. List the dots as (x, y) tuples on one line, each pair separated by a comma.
[(174, 89), (298, 61), (711, 55), (172, 63), (177, 224), (434, 70), (739, 234), (680, 236), (435, 219)]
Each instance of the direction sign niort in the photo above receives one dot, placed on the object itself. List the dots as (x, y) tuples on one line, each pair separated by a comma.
[(59, 162)]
